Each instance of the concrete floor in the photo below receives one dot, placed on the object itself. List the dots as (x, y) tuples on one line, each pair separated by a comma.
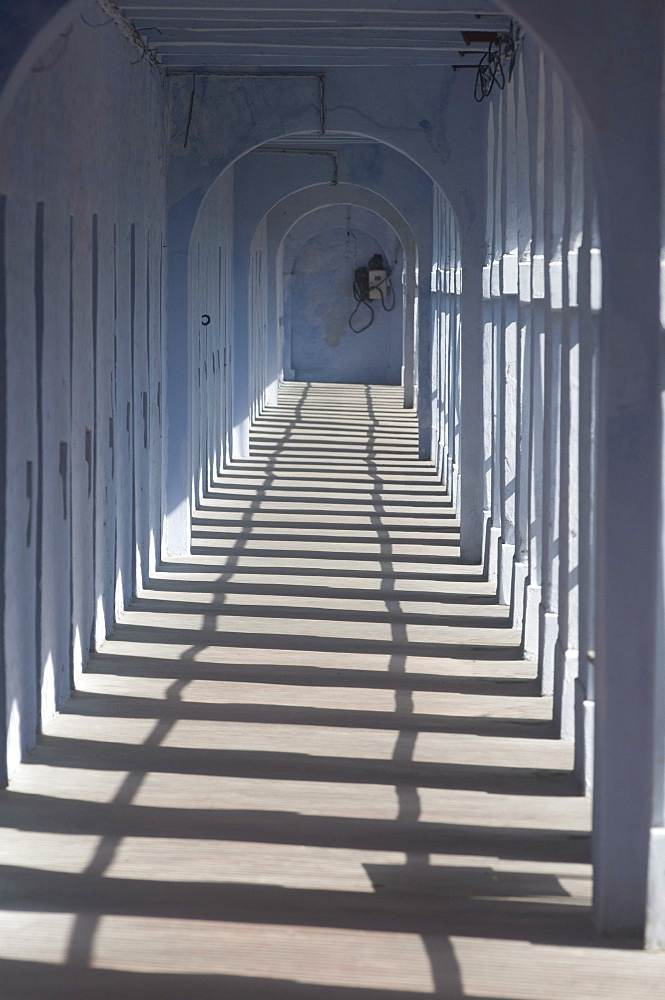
[(310, 763)]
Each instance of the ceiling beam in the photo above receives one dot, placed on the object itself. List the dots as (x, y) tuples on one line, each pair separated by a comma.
[(294, 49), (374, 26), (198, 67), (253, 7)]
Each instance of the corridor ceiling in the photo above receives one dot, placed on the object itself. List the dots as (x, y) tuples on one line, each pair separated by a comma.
[(197, 36)]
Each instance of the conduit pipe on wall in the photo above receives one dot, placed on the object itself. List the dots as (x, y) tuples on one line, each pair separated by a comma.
[(129, 31), (321, 77), (334, 156)]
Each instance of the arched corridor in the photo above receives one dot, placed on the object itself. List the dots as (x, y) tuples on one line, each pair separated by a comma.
[(332, 487)]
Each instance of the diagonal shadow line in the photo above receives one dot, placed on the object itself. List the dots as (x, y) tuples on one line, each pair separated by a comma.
[(302, 613), (304, 505), (455, 911), (306, 525), (332, 573), (445, 968), (304, 471), (22, 979), (416, 839), (309, 537), (468, 599), (129, 707), (67, 752), (461, 650), (307, 555), (304, 491), (85, 925), (133, 664), (31, 811)]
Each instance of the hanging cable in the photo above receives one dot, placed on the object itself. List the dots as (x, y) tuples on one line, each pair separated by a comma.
[(191, 111), (362, 291), (361, 295), (89, 24), (390, 297), (497, 65), (42, 67)]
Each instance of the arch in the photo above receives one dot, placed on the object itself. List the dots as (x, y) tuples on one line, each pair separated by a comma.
[(282, 217), (254, 194), (24, 37), (347, 236), (281, 228)]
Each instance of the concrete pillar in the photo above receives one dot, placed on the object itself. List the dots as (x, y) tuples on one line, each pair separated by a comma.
[(566, 659), (471, 418), (497, 361), (410, 305), (471, 404), (452, 359), (487, 338), (535, 108), (629, 470), (508, 373), (177, 483), (589, 304), (509, 266), (437, 400), (241, 404), (424, 358), (524, 250), (440, 319), (536, 431), (554, 202)]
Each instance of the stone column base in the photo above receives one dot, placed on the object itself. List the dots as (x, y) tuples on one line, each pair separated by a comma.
[(549, 633)]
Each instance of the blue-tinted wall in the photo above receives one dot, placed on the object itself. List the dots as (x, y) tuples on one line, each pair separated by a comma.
[(324, 347)]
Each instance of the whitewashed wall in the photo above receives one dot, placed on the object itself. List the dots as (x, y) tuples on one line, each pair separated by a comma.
[(211, 306), (257, 326), (82, 196)]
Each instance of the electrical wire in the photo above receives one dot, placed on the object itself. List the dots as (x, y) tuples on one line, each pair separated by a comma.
[(42, 67), (362, 298), (109, 20), (491, 70), (392, 299), (191, 111)]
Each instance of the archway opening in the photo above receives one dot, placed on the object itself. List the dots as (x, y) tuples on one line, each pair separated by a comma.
[(337, 328)]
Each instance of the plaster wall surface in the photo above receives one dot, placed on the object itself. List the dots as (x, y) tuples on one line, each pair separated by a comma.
[(257, 326), (83, 242), (208, 341), (324, 348)]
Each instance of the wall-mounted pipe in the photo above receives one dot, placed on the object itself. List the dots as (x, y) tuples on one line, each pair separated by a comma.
[(331, 153), (321, 77), (129, 31)]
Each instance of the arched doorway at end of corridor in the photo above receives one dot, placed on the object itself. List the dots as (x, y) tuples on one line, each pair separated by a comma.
[(334, 331)]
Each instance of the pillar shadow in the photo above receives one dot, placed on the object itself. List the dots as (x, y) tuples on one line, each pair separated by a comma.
[(433, 880)]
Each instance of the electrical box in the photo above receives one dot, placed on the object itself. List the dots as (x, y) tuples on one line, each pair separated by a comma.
[(377, 283)]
